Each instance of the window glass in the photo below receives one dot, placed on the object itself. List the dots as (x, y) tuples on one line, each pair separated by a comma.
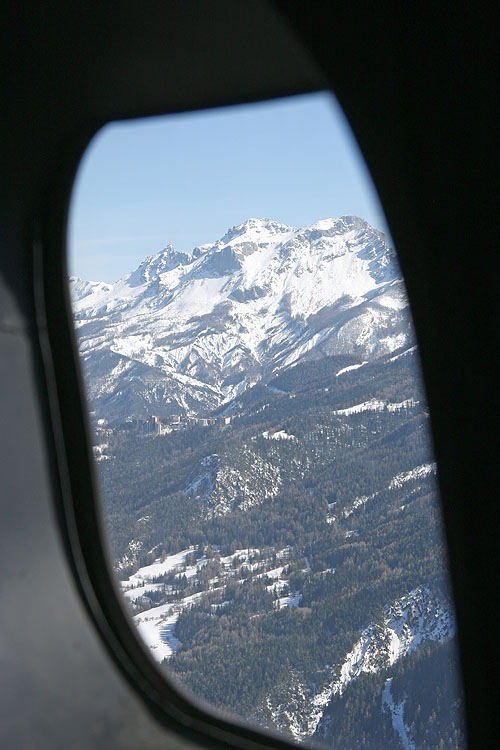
[(261, 433)]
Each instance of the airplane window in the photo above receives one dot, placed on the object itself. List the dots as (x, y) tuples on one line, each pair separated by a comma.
[(261, 433)]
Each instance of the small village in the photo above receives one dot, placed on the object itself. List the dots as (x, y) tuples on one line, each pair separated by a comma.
[(151, 426), (155, 425)]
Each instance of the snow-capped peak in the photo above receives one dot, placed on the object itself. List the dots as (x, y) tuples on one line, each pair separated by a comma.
[(342, 224), (155, 265), (258, 300), (79, 288), (253, 228)]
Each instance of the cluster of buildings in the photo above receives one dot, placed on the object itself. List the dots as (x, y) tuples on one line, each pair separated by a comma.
[(155, 425)]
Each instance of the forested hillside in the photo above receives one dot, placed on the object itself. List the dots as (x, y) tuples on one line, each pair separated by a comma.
[(278, 538), (290, 567)]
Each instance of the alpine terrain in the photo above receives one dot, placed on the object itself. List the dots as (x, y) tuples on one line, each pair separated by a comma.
[(269, 489)]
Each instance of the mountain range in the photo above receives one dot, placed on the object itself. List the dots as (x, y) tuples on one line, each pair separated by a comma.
[(185, 333), (285, 562)]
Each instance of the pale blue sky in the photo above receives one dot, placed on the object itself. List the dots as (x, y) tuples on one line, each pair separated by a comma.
[(185, 179)]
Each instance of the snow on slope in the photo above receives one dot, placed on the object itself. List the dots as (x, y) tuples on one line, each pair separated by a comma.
[(156, 625), (409, 621), (184, 333), (417, 473), (79, 289), (396, 712), (221, 486), (350, 368), (158, 568)]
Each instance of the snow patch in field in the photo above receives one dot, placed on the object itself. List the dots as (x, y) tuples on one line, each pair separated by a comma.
[(157, 634), (136, 593), (350, 368), (291, 600), (279, 435), (158, 568), (375, 404), (156, 626)]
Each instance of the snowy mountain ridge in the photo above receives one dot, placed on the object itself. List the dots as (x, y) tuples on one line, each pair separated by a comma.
[(186, 332)]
